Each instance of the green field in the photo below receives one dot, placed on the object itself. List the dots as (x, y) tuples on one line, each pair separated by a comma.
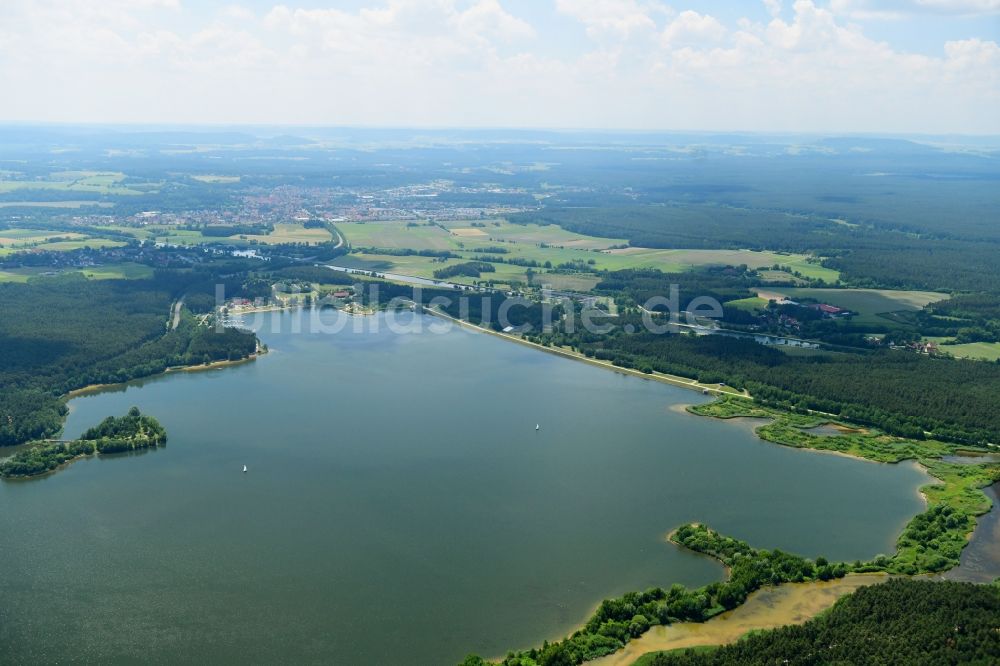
[(869, 304), (55, 204), (15, 240), (215, 179), (291, 233), (543, 244), (983, 351), (527, 234), (95, 182), (397, 236), (119, 271), (122, 271), (749, 304)]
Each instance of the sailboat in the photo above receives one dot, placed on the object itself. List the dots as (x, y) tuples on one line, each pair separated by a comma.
[(244, 469), (538, 427)]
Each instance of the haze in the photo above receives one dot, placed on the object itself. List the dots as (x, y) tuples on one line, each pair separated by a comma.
[(925, 66)]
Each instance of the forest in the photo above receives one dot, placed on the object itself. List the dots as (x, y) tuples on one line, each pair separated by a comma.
[(902, 621), (64, 333), (866, 256)]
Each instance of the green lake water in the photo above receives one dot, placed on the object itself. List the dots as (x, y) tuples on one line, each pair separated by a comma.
[(400, 507)]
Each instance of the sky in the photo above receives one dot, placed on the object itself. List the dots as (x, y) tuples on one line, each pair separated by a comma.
[(879, 66)]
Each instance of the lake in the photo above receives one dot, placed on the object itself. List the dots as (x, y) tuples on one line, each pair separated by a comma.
[(400, 506)]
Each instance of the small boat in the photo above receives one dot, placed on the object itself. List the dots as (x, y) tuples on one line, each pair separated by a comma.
[(538, 427), (244, 469)]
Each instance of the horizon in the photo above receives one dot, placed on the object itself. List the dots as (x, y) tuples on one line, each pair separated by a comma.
[(141, 126)]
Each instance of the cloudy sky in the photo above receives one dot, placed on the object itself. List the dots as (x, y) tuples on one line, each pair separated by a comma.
[(902, 66)]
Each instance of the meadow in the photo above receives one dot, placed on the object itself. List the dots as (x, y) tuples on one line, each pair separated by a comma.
[(982, 351), (116, 271), (869, 304)]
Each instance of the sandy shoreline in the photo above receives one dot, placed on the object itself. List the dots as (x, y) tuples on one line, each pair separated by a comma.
[(673, 380), (214, 365)]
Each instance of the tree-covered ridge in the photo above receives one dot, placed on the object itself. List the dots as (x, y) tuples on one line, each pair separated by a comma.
[(898, 391), (66, 333), (131, 432), (898, 622)]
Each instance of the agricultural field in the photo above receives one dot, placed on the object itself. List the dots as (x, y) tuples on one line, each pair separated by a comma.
[(292, 232), (213, 179), (528, 234), (30, 237), (547, 244), (398, 236), (749, 304), (94, 182), (22, 274), (117, 271), (425, 266), (982, 351), (56, 204), (16, 240), (869, 304), (91, 243)]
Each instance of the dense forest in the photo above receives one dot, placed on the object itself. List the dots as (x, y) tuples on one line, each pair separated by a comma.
[(60, 334), (901, 621)]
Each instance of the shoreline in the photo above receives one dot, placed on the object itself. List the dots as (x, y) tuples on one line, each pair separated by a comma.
[(673, 380), (214, 365)]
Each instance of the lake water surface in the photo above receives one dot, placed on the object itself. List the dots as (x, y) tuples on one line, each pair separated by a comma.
[(400, 507)]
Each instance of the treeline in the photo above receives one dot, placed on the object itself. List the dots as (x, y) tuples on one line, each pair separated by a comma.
[(131, 432), (466, 269), (408, 252), (636, 287), (901, 621), (967, 317)]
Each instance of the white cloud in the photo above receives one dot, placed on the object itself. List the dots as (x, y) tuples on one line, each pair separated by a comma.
[(473, 62), (693, 28), (864, 10), (773, 7), (487, 17), (619, 18)]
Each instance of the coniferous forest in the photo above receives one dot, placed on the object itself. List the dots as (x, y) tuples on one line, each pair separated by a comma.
[(903, 621)]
